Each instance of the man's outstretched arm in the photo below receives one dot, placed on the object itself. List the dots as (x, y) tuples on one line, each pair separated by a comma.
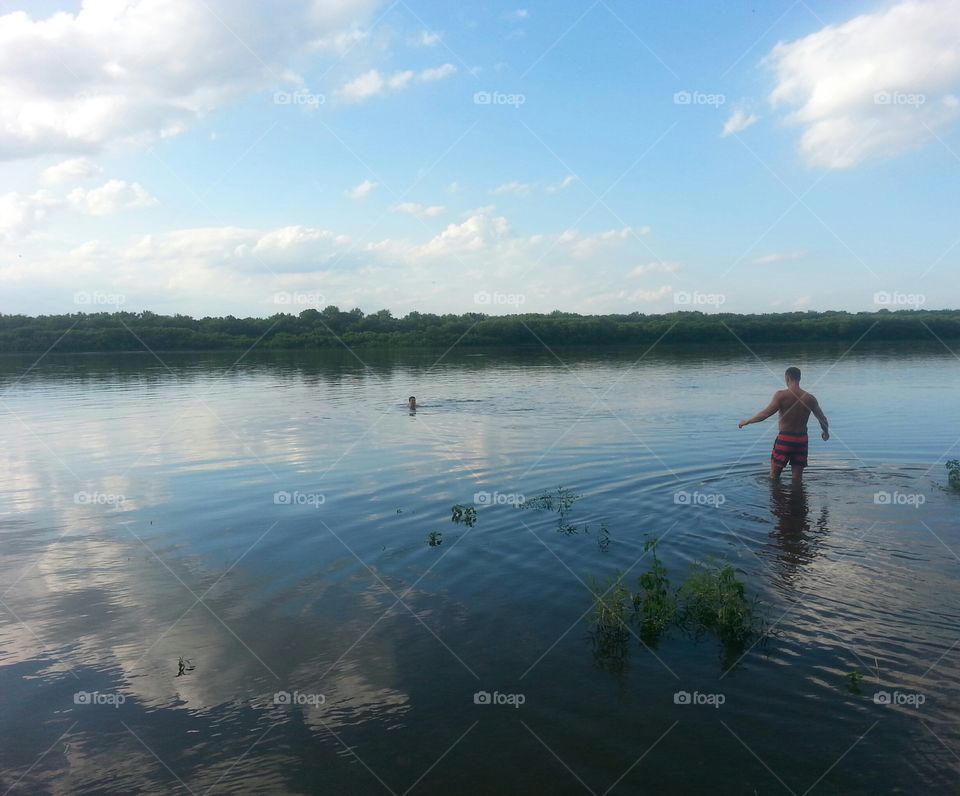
[(822, 418), (763, 414)]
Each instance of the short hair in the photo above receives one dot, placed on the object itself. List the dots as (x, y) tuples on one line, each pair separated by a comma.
[(793, 374), (412, 398)]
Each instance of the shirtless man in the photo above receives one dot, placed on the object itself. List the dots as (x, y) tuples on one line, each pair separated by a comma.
[(795, 406)]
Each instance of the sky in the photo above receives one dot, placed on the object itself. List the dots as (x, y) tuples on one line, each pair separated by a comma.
[(228, 157)]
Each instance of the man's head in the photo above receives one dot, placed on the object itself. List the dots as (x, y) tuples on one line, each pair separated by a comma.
[(792, 375), (412, 400)]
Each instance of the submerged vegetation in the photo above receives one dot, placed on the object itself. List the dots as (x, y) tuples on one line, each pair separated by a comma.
[(333, 327), (953, 473), (465, 515), (435, 538), (561, 501), (712, 600)]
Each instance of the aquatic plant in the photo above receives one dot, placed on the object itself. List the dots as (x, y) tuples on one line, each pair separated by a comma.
[(953, 473), (467, 515), (435, 538), (610, 603), (653, 605), (561, 501), (853, 680), (184, 665), (713, 599)]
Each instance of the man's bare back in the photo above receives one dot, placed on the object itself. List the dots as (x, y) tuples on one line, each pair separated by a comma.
[(795, 407)]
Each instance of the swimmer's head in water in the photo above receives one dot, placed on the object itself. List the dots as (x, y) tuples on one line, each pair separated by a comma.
[(412, 401)]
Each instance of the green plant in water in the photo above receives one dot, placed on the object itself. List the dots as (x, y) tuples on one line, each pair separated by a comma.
[(560, 501), (853, 680), (434, 538), (610, 606), (467, 515), (654, 607), (953, 473), (713, 599)]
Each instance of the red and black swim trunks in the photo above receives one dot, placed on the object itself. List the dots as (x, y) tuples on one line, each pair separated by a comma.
[(790, 449)]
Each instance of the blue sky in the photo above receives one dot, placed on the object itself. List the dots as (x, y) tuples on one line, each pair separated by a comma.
[(241, 158)]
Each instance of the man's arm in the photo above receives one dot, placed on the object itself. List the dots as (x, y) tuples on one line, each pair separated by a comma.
[(763, 414), (818, 413)]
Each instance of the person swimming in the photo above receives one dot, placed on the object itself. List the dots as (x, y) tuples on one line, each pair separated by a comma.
[(412, 402)]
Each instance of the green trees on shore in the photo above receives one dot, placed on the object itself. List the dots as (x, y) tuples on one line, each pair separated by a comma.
[(332, 327)]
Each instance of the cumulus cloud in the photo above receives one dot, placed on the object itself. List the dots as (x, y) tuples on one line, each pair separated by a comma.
[(418, 210), (23, 214), (73, 170), (565, 183), (111, 197), (427, 38), (874, 86), (740, 120), (655, 268), (514, 188), (779, 257), (136, 70), (373, 83), (361, 191)]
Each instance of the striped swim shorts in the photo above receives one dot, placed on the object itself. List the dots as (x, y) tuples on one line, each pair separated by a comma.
[(790, 449)]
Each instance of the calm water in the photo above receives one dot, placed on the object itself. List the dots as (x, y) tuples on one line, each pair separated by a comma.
[(141, 525)]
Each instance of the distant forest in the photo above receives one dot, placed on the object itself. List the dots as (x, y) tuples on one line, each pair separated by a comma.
[(332, 327)]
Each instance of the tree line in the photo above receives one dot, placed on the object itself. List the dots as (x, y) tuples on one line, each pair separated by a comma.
[(333, 327)]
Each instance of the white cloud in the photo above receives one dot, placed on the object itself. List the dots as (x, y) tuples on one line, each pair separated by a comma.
[(73, 170), (418, 210), (650, 295), (22, 214), (339, 43), (513, 188), (454, 187), (740, 120), (361, 191), (586, 246), (655, 268), (874, 86), (138, 71), (111, 197), (437, 73), (779, 257), (565, 183), (518, 14), (427, 38), (373, 83)]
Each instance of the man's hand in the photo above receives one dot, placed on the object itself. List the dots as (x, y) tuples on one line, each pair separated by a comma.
[(825, 435), (743, 423)]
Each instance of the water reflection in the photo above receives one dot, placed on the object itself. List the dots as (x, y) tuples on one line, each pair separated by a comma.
[(797, 537)]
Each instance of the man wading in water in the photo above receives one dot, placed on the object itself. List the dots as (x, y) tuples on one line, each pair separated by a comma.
[(795, 406)]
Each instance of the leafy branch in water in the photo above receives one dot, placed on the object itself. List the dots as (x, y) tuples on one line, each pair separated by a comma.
[(712, 600), (953, 473), (466, 515)]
